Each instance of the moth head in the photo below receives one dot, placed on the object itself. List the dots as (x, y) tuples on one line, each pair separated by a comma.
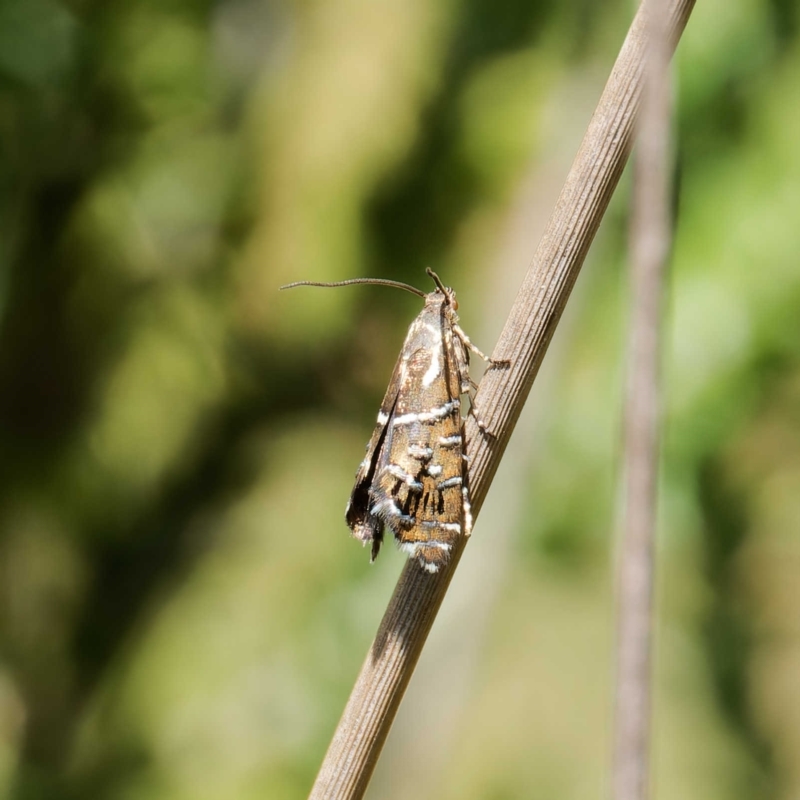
[(449, 294)]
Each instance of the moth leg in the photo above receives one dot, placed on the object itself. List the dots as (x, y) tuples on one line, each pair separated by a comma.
[(467, 509), (470, 388), (482, 426), (468, 344), (473, 412)]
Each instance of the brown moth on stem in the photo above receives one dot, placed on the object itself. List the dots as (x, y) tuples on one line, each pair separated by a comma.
[(413, 479)]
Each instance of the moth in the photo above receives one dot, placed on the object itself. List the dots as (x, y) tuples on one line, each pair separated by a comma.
[(413, 479)]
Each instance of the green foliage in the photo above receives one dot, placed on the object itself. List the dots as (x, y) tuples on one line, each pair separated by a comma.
[(182, 612)]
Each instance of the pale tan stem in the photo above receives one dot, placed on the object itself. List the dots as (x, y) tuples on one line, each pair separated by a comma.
[(650, 245)]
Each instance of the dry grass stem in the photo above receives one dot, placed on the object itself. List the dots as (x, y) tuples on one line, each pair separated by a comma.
[(379, 688), (650, 244)]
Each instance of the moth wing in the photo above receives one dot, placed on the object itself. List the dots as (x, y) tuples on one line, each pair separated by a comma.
[(364, 525), (412, 479), (419, 481)]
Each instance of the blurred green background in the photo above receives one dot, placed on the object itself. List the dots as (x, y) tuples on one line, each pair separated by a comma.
[(182, 611)]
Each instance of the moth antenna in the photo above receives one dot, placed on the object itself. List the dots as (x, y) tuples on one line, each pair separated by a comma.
[(352, 281), (437, 280)]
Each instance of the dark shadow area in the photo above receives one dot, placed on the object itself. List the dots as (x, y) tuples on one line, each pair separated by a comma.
[(728, 628)]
